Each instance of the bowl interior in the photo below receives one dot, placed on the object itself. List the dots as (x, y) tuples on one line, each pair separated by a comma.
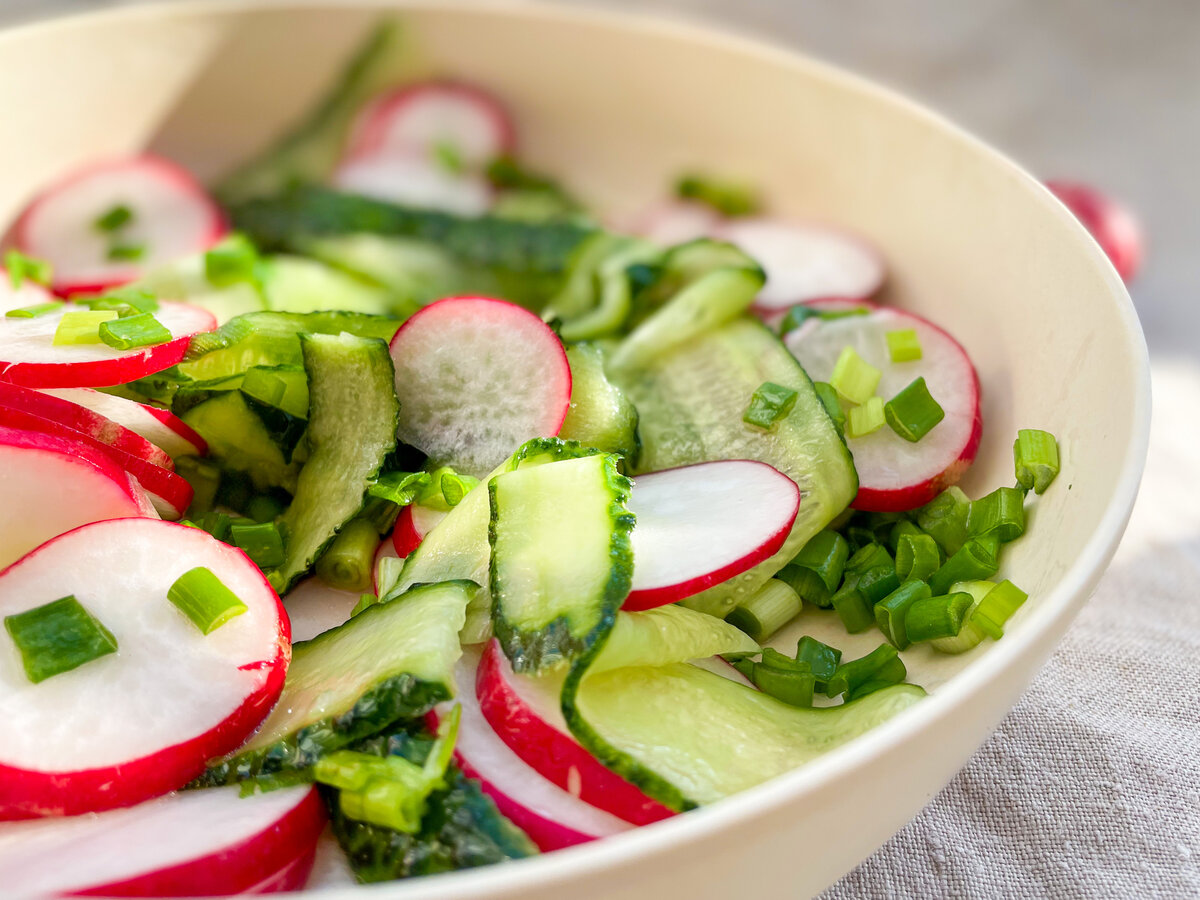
[(618, 109)]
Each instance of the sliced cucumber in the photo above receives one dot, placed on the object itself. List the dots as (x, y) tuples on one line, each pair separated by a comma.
[(561, 561), (597, 295), (390, 662), (600, 415), (351, 430), (298, 285), (687, 737), (668, 634), (239, 440), (690, 404)]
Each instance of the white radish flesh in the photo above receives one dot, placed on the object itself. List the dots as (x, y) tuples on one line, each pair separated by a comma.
[(703, 524), (417, 182), (160, 427), (677, 222), (314, 607), (144, 720), (476, 378)]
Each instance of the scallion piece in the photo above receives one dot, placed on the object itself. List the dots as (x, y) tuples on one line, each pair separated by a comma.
[(264, 508), (971, 634), (945, 518), (891, 610), (57, 637), (794, 318), (917, 557), (21, 268), (882, 665), (217, 524), (766, 611), (81, 326), (141, 330), (833, 406), (1036, 456), (855, 378), (126, 252), (859, 536), (903, 345), (998, 606), (913, 413), (726, 196), (1001, 513), (937, 617), (821, 658), (205, 479), (348, 562), (261, 540), (32, 312), (126, 301), (816, 571), (852, 607), (784, 678), (865, 419), (975, 561), (769, 403), (114, 220), (455, 487), (233, 260), (400, 488), (869, 556), (204, 599), (444, 489), (449, 157), (899, 530)]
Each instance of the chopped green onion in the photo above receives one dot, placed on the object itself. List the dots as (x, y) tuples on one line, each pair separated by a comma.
[(945, 518), (917, 557), (449, 157), (380, 513), (869, 556), (126, 301), (729, 198), (141, 330), (400, 488), (877, 583), (444, 489), (855, 378), (859, 536), (971, 634), (974, 561), (81, 326), (769, 403), (21, 268), (821, 658), (903, 345), (202, 597), (1000, 513), (262, 542), (115, 219), (882, 666), (126, 252), (891, 610), (264, 508), (816, 571), (455, 487), (865, 419), (913, 413), (899, 530), (783, 678), (937, 617), (833, 406), (1036, 456), (348, 562), (852, 607), (32, 312), (998, 606), (57, 637), (800, 313), (233, 260), (205, 479), (766, 611)]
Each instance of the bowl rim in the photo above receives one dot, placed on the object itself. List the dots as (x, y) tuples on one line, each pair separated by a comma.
[(1061, 602)]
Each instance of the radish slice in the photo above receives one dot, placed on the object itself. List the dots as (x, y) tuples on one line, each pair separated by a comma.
[(29, 356), (172, 216), (418, 119), (314, 607), (1115, 228), (414, 181), (160, 427), (805, 262), (703, 524), (524, 712), (385, 550), (86, 421), (413, 523), (292, 877), (895, 474), (28, 294), (677, 222), (479, 377), (552, 817), (197, 843), (144, 720), (49, 485), (170, 493)]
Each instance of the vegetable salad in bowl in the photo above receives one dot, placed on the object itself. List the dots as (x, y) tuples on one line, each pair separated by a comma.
[(383, 486)]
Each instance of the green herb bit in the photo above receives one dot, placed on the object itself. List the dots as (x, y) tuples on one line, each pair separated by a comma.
[(881, 666), (218, 524), (455, 487), (726, 196), (400, 488), (1000, 513), (235, 259), (852, 607), (126, 301), (131, 332), (204, 599), (784, 678), (821, 658), (81, 326), (766, 611), (866, 419), (262, 542), (997, 607), (32, 312), (348, 562), (833, 406), (22, 268), (769, 403), (58, 637), (903, 345), (945, 518), (975, 561), (1036, 456), (917, 557), (937, 617), (449, 157), (855, 378), (114, 220), (816, 571), (913, 412), (444, 489), (205, 479), (890, 612), (126, 252)]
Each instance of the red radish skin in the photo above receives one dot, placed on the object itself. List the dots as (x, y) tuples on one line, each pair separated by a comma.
[(552, 817), (160, 427), (198, 843), (1115, 228), (207, 692), (894, 474), (414, 120), (84, 420), (703, 524), (170, 493), (539, 736), (29, 357), (413, 523), (479, 377), (172, 216), (415, 181), (49, 485)]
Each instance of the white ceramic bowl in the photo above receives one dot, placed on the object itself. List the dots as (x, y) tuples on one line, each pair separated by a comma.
[(617, 105)]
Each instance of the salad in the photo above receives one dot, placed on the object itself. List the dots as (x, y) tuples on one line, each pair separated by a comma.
[(383, 489)]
